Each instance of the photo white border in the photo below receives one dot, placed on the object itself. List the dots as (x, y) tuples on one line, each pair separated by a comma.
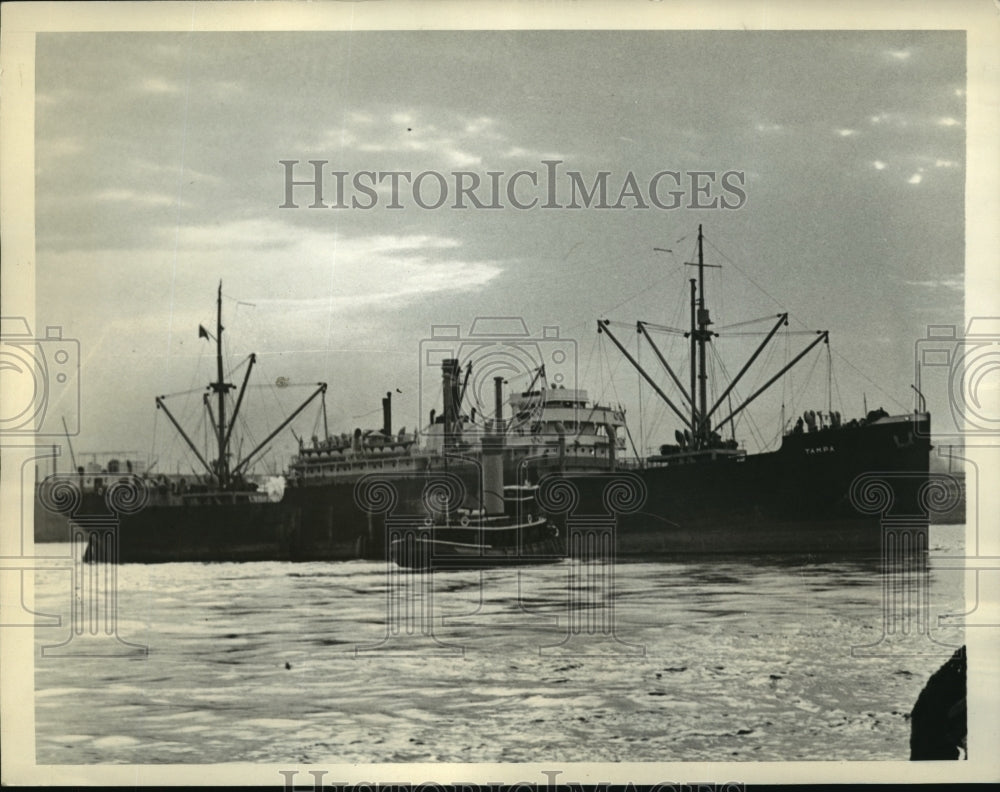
[(980, 19)]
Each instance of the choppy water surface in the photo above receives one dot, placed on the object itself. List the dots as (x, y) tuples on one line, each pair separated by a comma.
[(723, 659)]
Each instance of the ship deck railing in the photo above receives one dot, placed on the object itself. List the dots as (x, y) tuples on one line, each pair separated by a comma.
[(221, 498), (701, 455)]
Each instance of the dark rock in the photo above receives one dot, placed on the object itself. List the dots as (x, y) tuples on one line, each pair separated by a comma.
[(938, 725)]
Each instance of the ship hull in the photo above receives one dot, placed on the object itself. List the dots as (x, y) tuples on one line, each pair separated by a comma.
[(811, 496), (160, 534), (793, 501), (441, 555)]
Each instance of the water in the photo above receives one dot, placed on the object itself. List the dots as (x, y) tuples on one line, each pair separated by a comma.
[(711, 660)]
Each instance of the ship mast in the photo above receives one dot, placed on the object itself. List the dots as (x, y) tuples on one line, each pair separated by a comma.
[(221, 388), (220, 467), (699, 420), (700, 335)]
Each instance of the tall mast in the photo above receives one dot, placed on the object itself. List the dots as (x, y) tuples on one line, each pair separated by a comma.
[(700, 335), (220, 387), (694, 366), (703, 323)]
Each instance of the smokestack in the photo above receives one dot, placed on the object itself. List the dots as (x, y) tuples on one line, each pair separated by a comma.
[(612, 441), (493, 443), (561, 431), (387, 414), (498, 405), (449, 382)]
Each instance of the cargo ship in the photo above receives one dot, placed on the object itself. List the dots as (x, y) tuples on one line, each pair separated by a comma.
[(701, 494), (816, 494), (366, 493), (121, 512)]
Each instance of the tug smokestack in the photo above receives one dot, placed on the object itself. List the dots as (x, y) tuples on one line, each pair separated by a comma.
[(493, 457), (498, 406), (387, 414), (449, 376), (612, 442)]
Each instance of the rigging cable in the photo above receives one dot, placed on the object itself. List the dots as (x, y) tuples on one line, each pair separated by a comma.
[(829, 379), (643, 440), (793, 316), (836, 384)]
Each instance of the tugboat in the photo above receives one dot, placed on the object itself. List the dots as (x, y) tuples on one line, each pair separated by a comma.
[(506, 530)]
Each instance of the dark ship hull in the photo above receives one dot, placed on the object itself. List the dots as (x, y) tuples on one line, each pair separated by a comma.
[(234, 532), (796, 500), (808, 497)]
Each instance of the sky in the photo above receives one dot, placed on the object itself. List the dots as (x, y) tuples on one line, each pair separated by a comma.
[(158, 174)]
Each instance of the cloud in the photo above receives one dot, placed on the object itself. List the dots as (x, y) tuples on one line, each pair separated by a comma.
[(522, 153), (412, 141), (62, 146), (125, 195), (379, 270), (956, 284), (896, 119), (173, 169), (158, 85)]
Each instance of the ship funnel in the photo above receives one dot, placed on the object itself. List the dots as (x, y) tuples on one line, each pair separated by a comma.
[(449, 382), (356, 444), (498, 405), (493, 443), (387, 414), (612, 442), (561, 431)]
